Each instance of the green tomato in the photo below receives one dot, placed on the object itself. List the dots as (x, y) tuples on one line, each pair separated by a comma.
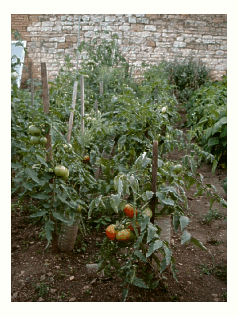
[(177, 169), (43, 140), (33, 130), (61, 171), (34, 139), (148, 212)]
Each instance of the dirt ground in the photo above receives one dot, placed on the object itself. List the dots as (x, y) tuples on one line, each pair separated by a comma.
[(38, 275)]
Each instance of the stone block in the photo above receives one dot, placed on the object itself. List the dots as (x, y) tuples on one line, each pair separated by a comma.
[(151, 43), (124, 28), (71, 38), (97, 18), (33, 28), (47, 23), (179, 44), (87, 27), (150, 28), (57, 28), (110, 18), (67, 28), (132, 19), (46, 28), (137, 27)]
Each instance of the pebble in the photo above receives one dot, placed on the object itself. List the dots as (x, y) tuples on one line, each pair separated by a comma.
[(214, 295), (189, 282), (72, 299), (71, 278)]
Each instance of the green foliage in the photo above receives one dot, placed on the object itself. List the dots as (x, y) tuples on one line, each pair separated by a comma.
[(186, 76), (207, 119)]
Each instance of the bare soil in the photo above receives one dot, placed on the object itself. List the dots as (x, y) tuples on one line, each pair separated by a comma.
[(38, 274)]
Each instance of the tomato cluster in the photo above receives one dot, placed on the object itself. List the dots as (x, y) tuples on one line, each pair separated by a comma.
[(126, 232), (35, 133)]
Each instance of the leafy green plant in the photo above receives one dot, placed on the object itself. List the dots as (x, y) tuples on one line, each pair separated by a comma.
[(207, 119), (186, 76)]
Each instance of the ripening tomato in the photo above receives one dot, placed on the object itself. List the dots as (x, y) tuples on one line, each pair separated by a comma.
[(148, 212), (123, 235), (111, 232), (129, 210)]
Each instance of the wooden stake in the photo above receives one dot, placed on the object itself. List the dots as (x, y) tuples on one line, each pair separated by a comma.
[(32, 84), (49, 156), (101, 87), (82, 103), (45, 96), (153, 201), (71, 118)]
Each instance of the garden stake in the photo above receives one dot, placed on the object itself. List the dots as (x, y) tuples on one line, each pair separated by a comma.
[(71, 118), (153, 201), (32, 84), (82, 103), (49, 156)]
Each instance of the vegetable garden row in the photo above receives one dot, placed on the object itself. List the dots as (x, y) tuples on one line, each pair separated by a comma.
[(92, 149)]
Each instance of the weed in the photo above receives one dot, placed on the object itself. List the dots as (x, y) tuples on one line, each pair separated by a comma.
[(211, 216), (41, 289), (214, 241), (220, 271)]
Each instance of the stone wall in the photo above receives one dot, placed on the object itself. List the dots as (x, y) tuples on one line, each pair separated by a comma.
[(141, 37)]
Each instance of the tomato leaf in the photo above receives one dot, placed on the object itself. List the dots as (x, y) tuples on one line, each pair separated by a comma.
[(168, 254), (184, 221), (49, 228), (60, 217), (163, 265), (115, 202), (124, 294), (32, 174), (139, 283), (176, 222), (40, 196), (198, 244), (173, 269), (140, 255), (186, 236), (151, 232), (147, 195), (154, 246), (39, 213)]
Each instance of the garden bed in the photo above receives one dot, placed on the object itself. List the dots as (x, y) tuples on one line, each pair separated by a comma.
[(40, 275)]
